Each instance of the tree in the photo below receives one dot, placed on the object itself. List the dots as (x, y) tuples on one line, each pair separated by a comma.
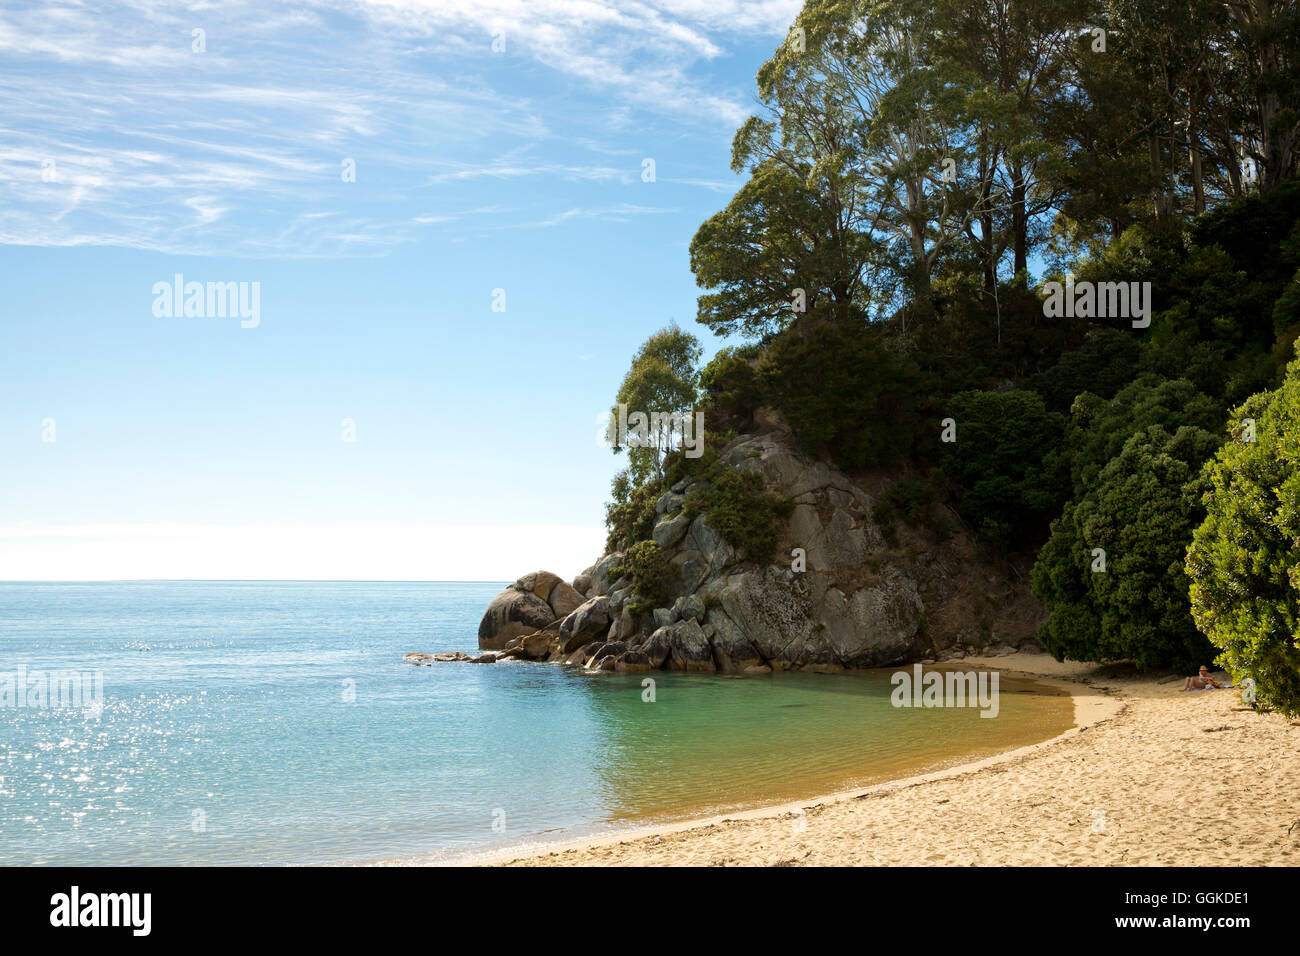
[(872, 125), (841, 391), (774, 252), (732, 385), (1104, 362), (1013, 54), (662, 385), (1244, 559)]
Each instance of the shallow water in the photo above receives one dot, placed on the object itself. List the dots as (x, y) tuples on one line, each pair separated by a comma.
[(274, 722)]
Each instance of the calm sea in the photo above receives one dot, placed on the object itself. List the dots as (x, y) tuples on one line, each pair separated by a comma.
[(275, 722)]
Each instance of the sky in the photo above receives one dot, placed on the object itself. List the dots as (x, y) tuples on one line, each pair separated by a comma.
[(457, 220)]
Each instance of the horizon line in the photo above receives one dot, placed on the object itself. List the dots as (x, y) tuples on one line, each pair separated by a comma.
[(250, 581)]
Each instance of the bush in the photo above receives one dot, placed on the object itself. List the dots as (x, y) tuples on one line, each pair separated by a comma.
[(630, 517), (653, 577), (1105, 362), (1244, 559), (731, 384), (1141, 512), (736, 504), (910, 498), (1099, 429)]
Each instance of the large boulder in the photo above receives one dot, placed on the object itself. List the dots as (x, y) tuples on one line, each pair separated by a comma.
[(512, 613), (552, 589), (528, 605), (669, 531), (582, 583), (688, 648)]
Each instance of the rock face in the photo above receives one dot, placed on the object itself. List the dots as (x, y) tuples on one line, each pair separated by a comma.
[(848, 598)]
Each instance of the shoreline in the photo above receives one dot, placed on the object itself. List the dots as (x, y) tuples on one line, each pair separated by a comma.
[(1091, 706), (1149, 775)]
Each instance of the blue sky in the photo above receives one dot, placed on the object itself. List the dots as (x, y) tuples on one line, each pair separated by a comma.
[(193, 447)]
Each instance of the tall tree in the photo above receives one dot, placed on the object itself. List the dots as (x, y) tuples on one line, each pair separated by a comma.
[(662, 384)]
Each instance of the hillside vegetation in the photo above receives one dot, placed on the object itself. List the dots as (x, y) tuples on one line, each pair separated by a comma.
[(916, 164)]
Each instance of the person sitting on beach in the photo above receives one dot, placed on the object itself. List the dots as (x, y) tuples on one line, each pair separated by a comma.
[(1203, 681)]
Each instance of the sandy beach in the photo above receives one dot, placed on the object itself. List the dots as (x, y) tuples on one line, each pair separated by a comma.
[(1149, 775)]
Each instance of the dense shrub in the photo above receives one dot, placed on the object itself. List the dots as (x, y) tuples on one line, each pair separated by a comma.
[(1099, 429), (1140, 512), (731, 384), (630, 517), (909, 498), (1244, 559), (653, 577), (1105, 362), (1009, 463), (737, 505), (841, 391)]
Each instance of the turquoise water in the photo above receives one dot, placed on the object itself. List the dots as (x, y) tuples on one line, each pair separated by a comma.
[(274, 722)]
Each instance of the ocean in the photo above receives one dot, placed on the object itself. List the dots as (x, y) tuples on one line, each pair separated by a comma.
[(276, 723)]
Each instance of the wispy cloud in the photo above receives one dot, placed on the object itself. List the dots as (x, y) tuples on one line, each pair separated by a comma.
[(621, 212), (118, 127)]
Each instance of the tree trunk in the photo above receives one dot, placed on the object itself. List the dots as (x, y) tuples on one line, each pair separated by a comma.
[(1194, 153), (1019, 218)]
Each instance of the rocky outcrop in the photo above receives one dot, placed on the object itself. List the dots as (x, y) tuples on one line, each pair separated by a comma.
[(841, 596)]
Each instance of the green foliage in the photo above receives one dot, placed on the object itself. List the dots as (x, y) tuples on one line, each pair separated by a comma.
[(736, 504), (1009, 462), (841, 391), (1244, 559), (1102, 164), (1141, 512), (911, 498), (773, 238), (653, 577), (732, 384), (1105, 362), (662, 378), (1099, 429), (630, 517)]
